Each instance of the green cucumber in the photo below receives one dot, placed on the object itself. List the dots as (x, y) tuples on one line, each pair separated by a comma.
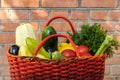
[(51, 45)]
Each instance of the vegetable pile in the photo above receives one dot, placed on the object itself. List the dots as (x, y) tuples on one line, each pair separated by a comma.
[(90, 41), (96, 38)]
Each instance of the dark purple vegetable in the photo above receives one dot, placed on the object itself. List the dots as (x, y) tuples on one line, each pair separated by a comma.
[(14, 49)]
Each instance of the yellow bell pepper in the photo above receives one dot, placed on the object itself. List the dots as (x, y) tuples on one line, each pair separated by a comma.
[(63, 46)]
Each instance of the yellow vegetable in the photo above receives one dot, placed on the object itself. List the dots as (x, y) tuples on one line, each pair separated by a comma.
[(24, 51), (63, 46)]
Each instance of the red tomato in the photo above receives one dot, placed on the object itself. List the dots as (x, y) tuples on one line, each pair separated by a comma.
[(68, 53), (83, 50)]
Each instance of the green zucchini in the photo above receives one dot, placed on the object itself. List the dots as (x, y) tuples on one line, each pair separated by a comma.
[(51, 45)]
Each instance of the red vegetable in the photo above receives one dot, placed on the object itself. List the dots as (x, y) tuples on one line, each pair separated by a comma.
[(68, 53), (83, 50)]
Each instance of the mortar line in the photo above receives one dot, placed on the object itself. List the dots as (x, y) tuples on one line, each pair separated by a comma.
[(29, 14), (40, 3), (79, 3)]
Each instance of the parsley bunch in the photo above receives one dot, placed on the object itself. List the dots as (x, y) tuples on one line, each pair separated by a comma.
[(93, 37)]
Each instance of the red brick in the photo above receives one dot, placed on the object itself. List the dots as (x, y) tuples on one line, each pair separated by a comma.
[(115, 15), (5, 15), (82, 23), (109, 26), (7, 38), (3, 59), (19, 14), (0, 50), (39, 15), (7, 78), (59, 13), (117, 36), (98, 14), (113, 60), (35, 25), (11, 26), (1, 78), (6, 47), (107, 70), (79, 15), (118, 26), (118, 51), (115, 70), (108, 78), (99, 3), (20, 3), (5, 71), (60, 3), (61, 26), (40, 36)]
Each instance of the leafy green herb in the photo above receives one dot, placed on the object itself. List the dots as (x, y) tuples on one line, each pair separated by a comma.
[(92, 36)]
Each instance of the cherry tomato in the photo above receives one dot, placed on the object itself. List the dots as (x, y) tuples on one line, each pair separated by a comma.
[(83, 50), (68, 53)]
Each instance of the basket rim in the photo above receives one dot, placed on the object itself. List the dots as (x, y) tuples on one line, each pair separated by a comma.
[(85, 57)]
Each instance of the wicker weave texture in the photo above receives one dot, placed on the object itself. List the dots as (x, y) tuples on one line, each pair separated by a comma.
[(22, 68)]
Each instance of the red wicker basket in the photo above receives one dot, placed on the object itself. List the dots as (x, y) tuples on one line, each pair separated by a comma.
[(34, 68)]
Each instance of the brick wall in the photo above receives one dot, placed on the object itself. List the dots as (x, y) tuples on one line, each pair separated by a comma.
[(37, 12)]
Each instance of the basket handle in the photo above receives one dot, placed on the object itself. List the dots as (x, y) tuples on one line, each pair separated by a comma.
[(52, 36), (66, 19)]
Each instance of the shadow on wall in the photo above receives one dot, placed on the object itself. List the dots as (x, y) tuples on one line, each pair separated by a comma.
[(16, 16), (17, 3)]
